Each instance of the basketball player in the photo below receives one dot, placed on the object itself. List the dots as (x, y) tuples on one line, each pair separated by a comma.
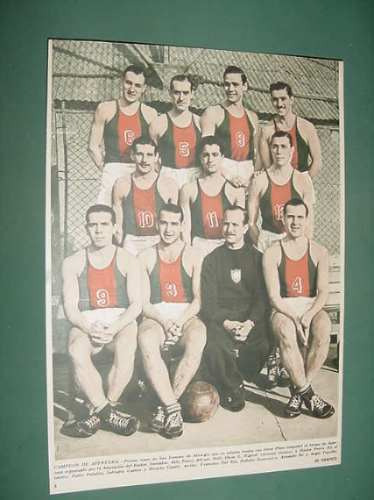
[(296, 274), (171, 302), (306, 156), (116, 124), (272, 188), (204, 200), (138, 197), (234, 305), (177, 133), (236, 126), (102, 301)]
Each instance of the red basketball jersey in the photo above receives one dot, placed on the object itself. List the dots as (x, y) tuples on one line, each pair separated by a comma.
[(211, 215), (185, 145), (144, 204), (280, 194), (128, 129), (102, 286), (239, 136), (171, 283), (297, 276)]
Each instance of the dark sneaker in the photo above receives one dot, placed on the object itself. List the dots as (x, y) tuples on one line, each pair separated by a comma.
[(157, 419), (293, 408), (82, 428), (173, 422), (119, 423), (283, 377), (318, 407), (233, 401)]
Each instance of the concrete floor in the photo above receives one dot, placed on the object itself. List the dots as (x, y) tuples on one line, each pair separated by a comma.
[(261, 421)]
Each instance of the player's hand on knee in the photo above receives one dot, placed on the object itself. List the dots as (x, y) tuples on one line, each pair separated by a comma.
[(306, 319)]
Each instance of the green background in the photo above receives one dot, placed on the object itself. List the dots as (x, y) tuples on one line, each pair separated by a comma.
[(333, 29)]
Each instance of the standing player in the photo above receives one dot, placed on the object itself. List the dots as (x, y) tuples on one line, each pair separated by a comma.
[(137, 198), (177, 133), (233, 307), (171, 295), (115, 127), (102, 301), (204, 200), (296, 274), (272, 188), (306, 156), (236, 127)]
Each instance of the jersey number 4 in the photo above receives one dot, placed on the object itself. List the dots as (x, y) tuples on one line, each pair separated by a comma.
[(297, 285)]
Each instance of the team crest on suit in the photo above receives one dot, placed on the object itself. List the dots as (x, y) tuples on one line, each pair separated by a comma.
[(236, 275)]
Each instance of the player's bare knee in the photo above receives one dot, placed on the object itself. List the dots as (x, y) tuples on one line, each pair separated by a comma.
[(127, 337), (148, 340), (284, 329), (321, 328)]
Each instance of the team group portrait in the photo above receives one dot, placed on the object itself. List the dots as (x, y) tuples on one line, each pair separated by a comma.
[(195, 239)]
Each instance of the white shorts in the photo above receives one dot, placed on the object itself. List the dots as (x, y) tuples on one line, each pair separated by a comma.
[(171, 310), (106, 315), (136, 244), (181, 175), (205, 245), (232, 168), (267, 238), (299, 305), (112, 172)]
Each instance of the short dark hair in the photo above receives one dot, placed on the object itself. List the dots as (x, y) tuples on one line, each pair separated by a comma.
[(241, 209), (237, 70), (171, 207), (138, 69), (281, 133), (296, 202), (210, 140), (182, 78), (93, 209), (144, 140), (281, 86)]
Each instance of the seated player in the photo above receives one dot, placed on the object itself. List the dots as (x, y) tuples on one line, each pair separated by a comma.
[(235, 126), (296, 274), (177, 133), (102, 301), (171, 295), (204, 200), (234, 305), (116, 124), (306, 155), (137, 198)]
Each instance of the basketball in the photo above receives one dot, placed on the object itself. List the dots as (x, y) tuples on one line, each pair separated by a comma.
[(199, 402)]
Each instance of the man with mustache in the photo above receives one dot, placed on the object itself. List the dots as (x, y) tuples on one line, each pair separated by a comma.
[(138, 197), (306, 156)]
